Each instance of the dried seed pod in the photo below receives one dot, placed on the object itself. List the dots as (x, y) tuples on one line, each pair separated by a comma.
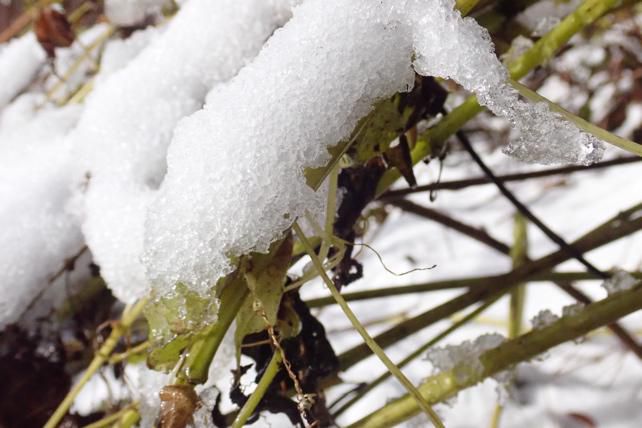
[(53, 30)]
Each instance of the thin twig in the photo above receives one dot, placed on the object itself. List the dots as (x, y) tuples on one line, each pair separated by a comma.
[(477, 181), (368, 341), (526, 212)]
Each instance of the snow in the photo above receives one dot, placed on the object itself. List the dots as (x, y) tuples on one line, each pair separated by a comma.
[(209, 41), (20, 60), (128, 13), (36, 233), (544, 318), (620, 281), (540, 135), (305, 91), (452, 356)]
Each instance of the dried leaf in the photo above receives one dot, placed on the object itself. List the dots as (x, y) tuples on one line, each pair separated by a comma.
[(178, 404)]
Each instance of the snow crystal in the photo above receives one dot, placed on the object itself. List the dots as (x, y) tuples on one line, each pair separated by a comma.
[(541, 136), (544, 318), (36, 234), (453, 356), (235, 169), (128, 120), (127, 13), (620, 281), (573, 309), (20, 60)]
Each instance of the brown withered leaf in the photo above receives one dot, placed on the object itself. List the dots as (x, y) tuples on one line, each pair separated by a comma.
[(399, 157), (53, 30), (178, 404)]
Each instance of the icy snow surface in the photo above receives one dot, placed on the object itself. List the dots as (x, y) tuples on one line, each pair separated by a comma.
[(129, 119), (306, 91), (235, 169)]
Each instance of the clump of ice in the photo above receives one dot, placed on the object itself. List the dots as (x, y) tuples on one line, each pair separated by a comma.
[(128, 13), (235, 169), (540, 135), (620, 281), (36, 233), (128, 121), (455, 356), (543, 318), (20, 60), (572, 309)]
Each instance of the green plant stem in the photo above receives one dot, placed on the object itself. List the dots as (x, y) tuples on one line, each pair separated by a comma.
[(415, 354), (129, 419), (465, 6), (196, 367), (446, 384), (621, 225), (369, 342), (545, 48), (258, 394), (519, 255), (130, 314), (111, 420)]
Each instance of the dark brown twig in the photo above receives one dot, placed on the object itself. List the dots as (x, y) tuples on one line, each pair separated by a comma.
[(483, 237), (478, 181), (525, 211)]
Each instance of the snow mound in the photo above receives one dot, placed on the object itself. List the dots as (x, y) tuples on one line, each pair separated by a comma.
[(235, 169), (128, 120)]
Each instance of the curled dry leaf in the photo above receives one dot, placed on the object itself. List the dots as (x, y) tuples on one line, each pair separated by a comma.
[(53, 30), (178, 404)]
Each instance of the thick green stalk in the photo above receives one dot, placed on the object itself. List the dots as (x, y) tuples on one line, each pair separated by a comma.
[(446, 384), (465, 6), (519, 254), (130, 314), (196, 367), (545, 48), (368, 341), (258, 394)]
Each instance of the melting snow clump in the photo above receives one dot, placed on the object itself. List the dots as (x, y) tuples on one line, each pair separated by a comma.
[(573, 309), (468, 352), (620, 281), (540, 135), (544, 318)]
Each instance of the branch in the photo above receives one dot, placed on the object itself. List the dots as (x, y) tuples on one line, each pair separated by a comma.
[(621, 225), (446, 384), (477, 181)]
